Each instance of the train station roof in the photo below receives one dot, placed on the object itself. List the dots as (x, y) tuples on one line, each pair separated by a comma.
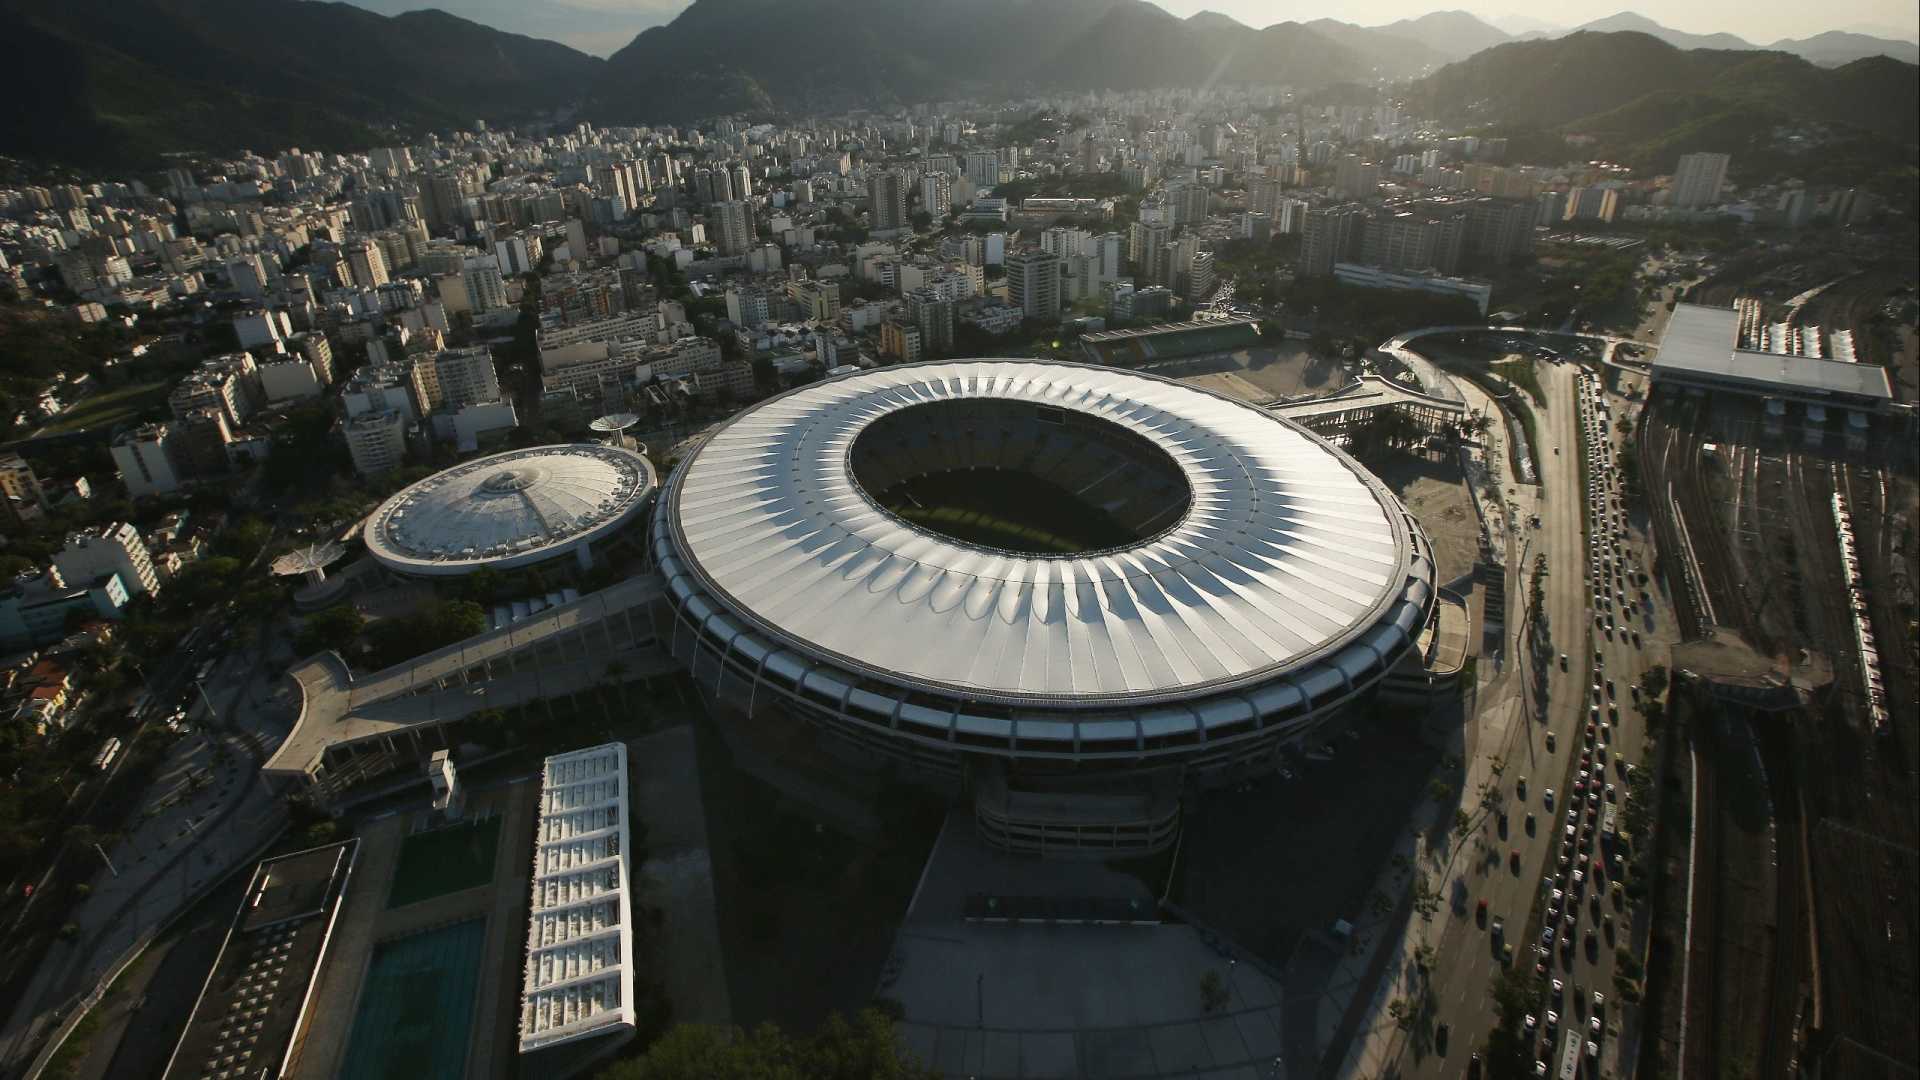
[(1701, 347)]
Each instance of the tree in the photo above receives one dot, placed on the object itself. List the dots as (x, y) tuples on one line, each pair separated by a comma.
[(1509, 1050), (336, 628)]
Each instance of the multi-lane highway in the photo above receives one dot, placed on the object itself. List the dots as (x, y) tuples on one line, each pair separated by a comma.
[(1529, 736)]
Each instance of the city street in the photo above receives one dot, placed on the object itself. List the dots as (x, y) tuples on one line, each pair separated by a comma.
[(1511, 733)]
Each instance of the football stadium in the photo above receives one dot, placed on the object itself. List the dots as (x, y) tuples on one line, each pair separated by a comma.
[(1067, 591)]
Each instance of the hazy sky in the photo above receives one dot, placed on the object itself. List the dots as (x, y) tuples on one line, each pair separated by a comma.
[(602, 26)]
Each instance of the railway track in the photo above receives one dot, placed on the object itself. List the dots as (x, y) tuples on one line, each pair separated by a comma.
[(1700, 1011)]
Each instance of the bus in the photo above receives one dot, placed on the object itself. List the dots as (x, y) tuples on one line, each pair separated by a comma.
[(108, 752), (1570, 1057)]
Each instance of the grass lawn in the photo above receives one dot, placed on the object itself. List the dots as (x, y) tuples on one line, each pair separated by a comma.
[(444, 861), (110, 408)]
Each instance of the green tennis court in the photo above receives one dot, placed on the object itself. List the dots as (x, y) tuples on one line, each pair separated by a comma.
[(444, 861), (416, 1007)]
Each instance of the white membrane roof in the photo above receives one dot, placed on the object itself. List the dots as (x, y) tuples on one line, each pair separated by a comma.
[(1288, 552), (509, 509)]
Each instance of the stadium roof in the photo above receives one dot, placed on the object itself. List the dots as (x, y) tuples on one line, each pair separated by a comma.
[(1699, 347), (509, 509), (1287, 553), (579, 978)]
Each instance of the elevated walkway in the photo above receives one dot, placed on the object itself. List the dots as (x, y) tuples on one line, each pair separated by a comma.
[(381, 717)]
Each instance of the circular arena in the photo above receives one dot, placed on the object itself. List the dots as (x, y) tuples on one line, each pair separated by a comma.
[(511, 510), (1069, 590)]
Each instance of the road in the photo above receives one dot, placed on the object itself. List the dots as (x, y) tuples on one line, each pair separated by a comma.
[(206, 809), (1518, 710)]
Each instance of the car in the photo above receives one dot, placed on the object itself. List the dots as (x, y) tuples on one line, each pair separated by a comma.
[(1599, 1003), (1553, 1021), (1550, 742), (1579, 880), (1520, 787), (1499, 929), (1595, 1026), (1513, 859), (1473, 1066), (1558, 989), (1546, 937), (1529, 822), (1549, 798), (1440, 1033), (1480, 912), (1530, 1025), (1539, 1069), (1610, 794), (1563, 656), (1593, 1051)]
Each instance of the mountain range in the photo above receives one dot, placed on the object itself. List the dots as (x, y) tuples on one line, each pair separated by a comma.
[(109, 82), (1659, 100)]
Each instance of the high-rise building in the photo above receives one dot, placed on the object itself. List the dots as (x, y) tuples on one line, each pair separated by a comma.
[(313, 345), (1354, 178), (900, 340), (1033, 284), (1264, 195), (731, 227), (1110, 252), (1144, 244), (486, 290), (887, 200), (1063, 241), (819, 301), (1593, 204), (115, 548), (377, 441), (1698, 180), (145, 458), (1405, 240), (748, 306), (1186, 202), (936, 194), (1330, 236), (365, 263), (22, 502), (932, 314), (451, 379), (1500, 229)]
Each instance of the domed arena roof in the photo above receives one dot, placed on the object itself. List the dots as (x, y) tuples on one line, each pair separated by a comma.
[(510, 509)]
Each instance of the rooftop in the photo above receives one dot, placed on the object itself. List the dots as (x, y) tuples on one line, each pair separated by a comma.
[(256, 996), (1275, 551), (509, 509), (578, 982)]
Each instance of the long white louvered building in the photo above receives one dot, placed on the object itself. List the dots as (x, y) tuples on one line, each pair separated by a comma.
[(578, 983), (1069, 590)]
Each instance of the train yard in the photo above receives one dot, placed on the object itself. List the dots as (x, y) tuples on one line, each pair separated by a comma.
[(1804, 851)]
